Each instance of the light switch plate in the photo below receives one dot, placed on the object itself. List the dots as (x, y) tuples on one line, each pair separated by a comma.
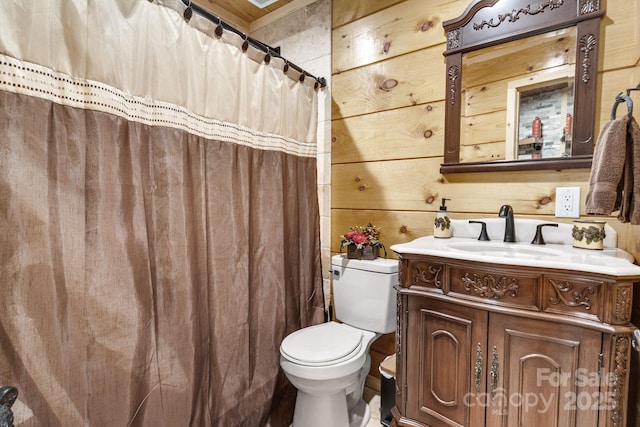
[(568, 202)]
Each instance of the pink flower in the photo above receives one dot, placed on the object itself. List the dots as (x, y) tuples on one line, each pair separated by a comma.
[(359, 238), (362, 236), (349, 235)]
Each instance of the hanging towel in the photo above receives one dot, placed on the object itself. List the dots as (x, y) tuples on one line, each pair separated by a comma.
[(630, 206), (605, 182), (614, 183)]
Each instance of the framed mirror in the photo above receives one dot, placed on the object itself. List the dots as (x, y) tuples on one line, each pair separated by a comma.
[(521, 85)]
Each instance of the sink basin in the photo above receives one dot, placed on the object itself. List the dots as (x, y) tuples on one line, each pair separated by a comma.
[(504, 250)]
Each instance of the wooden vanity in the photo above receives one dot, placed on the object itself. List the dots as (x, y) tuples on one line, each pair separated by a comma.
[(491, 344)]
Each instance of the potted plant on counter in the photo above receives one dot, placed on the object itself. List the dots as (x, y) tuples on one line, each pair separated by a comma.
[(363, 242)]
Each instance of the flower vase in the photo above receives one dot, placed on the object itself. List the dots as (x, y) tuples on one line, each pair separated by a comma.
[(367, 252)]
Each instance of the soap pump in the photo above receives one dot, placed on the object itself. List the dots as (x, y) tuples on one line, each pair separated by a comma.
[(442, 223)]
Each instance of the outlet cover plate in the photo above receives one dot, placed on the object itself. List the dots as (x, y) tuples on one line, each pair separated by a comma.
[(568, 202)]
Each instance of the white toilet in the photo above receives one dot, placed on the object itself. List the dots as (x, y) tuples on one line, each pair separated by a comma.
[(328, 363)]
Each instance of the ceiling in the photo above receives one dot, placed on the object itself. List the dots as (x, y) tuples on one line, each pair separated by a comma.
[(245, 15)]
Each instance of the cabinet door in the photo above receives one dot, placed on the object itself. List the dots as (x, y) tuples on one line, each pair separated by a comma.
[(442, 353), (542, 374)]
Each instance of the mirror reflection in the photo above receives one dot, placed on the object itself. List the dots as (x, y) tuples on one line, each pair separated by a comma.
[(544, 117), (517, 99)]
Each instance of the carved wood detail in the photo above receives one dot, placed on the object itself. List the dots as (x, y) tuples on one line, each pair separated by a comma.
[(453, 73), (619, 379), (577, 298), (588, 6), (453, 39), (587, 44), (428, 274), (398, 325), (490, 286), (515, 14), (623, 303)]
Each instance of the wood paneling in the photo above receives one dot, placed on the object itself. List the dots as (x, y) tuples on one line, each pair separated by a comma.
[(483, 129), (406, 27), (620, 35), (395, 134), (415, 184), (396, 226), (614, 82), (381, 348), (385, 185), (519, 58), (247, 17), (398, 82), (241, 11), (348, 10)]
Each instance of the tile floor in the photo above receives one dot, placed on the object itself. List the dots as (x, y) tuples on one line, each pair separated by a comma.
[(373, 399)]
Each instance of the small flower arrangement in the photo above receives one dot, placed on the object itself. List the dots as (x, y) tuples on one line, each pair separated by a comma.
[(362, 238)]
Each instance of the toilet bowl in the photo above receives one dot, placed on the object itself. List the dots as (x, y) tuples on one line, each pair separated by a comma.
[(329, 383), (328, 363)]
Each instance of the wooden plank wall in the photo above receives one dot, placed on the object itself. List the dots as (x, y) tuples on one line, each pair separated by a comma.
[(388, 89)]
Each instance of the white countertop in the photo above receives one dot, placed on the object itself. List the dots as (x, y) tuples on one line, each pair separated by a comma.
[(610, 261)]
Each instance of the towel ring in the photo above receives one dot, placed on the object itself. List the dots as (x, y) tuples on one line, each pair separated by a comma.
[(620, 98)]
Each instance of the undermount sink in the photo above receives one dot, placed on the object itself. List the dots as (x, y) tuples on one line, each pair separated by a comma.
[(504, 249), (558, 253)]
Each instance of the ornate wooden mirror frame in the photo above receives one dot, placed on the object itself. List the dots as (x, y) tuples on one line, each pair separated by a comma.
[(491, 22)]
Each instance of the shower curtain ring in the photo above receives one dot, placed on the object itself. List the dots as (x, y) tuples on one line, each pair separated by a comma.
[(245, 44), (286, 66), (188, 12), (219, 29)]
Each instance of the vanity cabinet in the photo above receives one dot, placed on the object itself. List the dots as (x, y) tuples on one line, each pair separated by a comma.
[(489, 344)]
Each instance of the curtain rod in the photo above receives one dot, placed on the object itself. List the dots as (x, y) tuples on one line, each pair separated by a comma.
[(270, 51)]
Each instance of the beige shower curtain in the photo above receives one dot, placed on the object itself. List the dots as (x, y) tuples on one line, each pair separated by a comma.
[(158, 216)]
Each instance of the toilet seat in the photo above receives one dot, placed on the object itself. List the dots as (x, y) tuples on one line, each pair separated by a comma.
[(322, 345)]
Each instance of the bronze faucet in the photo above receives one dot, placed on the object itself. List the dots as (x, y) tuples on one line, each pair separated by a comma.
[(506, 212)]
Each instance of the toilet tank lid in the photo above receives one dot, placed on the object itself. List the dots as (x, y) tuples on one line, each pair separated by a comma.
[(378, 265)]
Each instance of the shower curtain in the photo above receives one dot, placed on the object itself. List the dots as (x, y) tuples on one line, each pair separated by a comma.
[(158, 217)]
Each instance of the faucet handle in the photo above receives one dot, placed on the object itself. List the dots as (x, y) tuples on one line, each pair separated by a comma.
[(483, 232), (538, 239)]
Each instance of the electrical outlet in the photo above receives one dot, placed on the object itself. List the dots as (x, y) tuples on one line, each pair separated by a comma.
[(568, 202)]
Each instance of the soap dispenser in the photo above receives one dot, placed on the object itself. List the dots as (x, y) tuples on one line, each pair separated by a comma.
[(442, 223)]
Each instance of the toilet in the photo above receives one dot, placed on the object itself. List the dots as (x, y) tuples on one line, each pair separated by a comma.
[(328, 363)]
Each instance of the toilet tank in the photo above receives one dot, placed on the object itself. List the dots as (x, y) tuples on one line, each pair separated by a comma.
[(363, 292)]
